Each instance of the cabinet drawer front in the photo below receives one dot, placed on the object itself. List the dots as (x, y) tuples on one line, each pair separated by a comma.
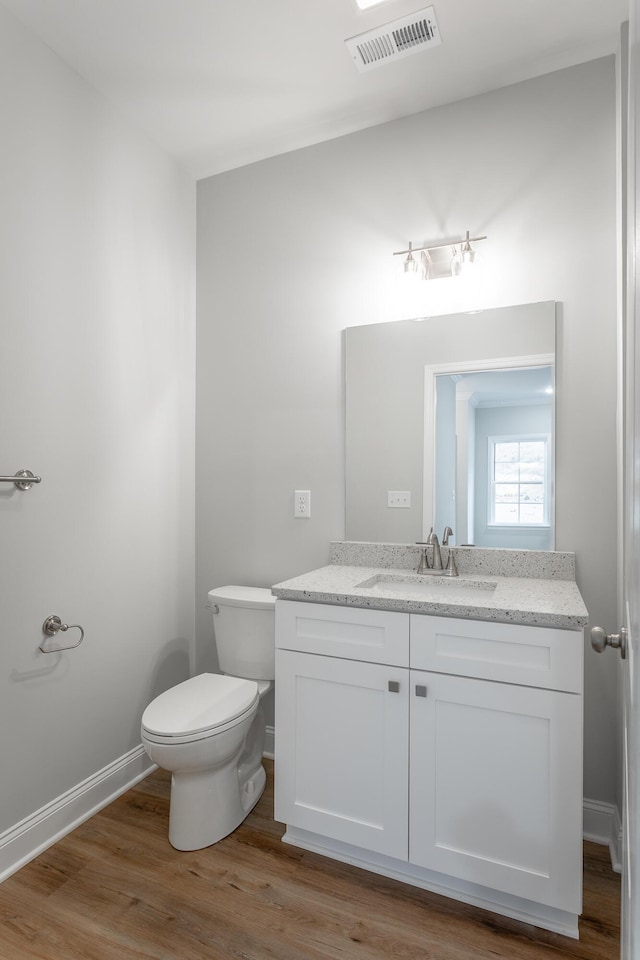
[(511, 653), (374, 636)]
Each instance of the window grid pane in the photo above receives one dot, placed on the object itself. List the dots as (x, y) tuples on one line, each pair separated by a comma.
[(518, 482)]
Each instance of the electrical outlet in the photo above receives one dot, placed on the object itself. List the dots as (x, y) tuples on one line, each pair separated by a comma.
[(302, 504), (399, 498)]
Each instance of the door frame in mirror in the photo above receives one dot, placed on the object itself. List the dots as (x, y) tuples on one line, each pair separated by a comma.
[(431, 371)]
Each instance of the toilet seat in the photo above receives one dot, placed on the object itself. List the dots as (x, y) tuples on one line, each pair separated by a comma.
[(200, 707)]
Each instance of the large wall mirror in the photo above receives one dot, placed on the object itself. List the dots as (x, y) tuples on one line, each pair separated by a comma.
[(450, 422)]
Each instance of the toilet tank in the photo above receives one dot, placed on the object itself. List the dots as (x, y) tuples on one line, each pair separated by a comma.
[(244, 629)]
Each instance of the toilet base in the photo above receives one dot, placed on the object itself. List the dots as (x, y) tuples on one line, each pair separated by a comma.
[(206, 807)]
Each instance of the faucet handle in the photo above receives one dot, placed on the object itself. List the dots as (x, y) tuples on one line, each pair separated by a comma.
[(451, 564), (424, 559), (448, 532)]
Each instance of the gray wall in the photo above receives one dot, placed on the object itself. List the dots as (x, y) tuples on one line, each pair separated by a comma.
[(294, 249), (97, 298)]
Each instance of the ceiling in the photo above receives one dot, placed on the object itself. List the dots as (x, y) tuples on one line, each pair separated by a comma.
[(223, 83)]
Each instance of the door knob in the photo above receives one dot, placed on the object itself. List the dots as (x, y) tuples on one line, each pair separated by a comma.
[(600, 640)]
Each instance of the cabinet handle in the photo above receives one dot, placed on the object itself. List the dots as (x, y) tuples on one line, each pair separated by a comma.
[(421, 690), (394, 686)]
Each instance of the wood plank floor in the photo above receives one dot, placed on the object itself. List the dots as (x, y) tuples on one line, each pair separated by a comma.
[(115, 888)]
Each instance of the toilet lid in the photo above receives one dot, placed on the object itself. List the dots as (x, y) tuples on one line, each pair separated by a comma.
[(198, 704), (260, 598)]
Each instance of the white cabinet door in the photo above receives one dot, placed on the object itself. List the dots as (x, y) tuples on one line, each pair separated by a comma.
[(496, 786), (341, 766)]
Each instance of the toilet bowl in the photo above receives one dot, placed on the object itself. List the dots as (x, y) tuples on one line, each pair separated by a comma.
[(209, 731)]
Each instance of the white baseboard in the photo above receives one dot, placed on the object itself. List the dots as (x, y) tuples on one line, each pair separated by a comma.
[(24, 841), (602, 824)]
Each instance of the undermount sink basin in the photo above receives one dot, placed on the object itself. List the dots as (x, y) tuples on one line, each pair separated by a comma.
[(429, 586)]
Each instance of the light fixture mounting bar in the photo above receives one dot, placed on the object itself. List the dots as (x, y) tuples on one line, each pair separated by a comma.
[(439, 246)]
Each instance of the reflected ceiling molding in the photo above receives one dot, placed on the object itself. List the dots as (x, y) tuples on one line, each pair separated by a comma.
[(451, 258)]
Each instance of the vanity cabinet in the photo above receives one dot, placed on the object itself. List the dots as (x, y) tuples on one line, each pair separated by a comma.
[(342, 751), (446, 752)]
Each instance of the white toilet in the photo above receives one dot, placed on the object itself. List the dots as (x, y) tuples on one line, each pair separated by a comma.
[(209, 731)]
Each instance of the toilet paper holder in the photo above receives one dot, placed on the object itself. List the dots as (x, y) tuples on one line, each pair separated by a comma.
[(53, 625)]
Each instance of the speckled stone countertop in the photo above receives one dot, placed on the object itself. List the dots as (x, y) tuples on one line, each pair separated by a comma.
[(527, 599), (540, 564)]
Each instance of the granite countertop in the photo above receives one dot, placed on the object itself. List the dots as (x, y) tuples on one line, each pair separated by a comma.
[(527, 600)]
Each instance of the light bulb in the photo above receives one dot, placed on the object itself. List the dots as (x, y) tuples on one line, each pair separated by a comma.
[(467, 256), (456, 262), (411, 266), (425, 265)]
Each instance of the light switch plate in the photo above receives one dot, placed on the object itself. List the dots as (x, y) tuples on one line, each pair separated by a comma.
[(399, 498)]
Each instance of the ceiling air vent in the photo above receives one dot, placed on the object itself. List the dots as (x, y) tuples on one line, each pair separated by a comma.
[(394, 40)]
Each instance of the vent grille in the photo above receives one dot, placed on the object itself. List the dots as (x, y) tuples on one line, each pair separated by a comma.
[(395, 40)]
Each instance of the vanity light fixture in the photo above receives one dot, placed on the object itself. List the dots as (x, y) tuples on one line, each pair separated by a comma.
[(434, 261)]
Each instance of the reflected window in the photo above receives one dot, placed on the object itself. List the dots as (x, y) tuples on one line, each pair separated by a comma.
[(519, 494)]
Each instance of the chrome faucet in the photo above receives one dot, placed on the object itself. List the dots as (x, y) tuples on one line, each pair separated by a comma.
[(436, 569), (432, 539)]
